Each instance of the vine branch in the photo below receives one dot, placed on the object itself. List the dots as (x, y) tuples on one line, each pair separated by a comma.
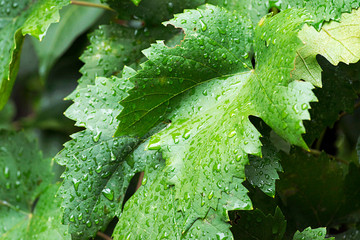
[(89, 4), (318, 152), (103, 235)]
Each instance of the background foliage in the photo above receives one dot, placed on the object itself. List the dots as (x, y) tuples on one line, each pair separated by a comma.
[(183, 119)]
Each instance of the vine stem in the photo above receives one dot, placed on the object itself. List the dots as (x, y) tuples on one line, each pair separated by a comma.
[(317, 153), (103, 235), (88, 4)]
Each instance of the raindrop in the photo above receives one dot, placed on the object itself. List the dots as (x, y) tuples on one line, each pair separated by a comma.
[(108, 193), (203, 25)]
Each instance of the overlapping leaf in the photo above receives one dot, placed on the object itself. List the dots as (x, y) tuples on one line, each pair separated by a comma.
[(112, 47), (308, 233), (343, 37), (25, 175), (210, 76), (19, 18), (99, 166), (257, 225)]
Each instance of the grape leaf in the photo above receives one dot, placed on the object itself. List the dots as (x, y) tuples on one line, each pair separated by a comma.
[(99, 167), (165, 219), (322, 10), (207, 143), (318, 190), (74, 21), (112, 47), (25, 175), (262, 171), (308, 233), (152, 12), (41, 224), (334, 78), (341, 36), (19, 18), (257, 225)]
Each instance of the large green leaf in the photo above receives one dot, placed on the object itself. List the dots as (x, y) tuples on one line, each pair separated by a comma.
[(74, 21), (210, 76), (18, 18), (25, 175), (98, 166)]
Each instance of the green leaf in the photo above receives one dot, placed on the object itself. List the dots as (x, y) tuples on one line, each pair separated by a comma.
[(341, 36), (262, 171), (342, 77), (19, 18), (322, 10), (99, 166), (209, 75), (112, 47), (257, 225), (151, 12), (312, 181), (25, 175), (41, 224), (74, 21), (308, 233)]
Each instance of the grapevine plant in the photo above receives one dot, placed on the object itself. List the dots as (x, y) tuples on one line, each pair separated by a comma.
[(202, 119)]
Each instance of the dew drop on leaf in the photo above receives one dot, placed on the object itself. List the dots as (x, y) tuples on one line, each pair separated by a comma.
[(108, 193)]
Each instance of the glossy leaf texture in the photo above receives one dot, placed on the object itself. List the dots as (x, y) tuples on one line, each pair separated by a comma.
[(308, 233), (114, 46), (75, 20), (210, 135), (19, 18), (25, 177), (342, 36), (99, 167)]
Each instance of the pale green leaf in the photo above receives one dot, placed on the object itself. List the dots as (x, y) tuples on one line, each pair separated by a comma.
[(18, 18), (343, 37)]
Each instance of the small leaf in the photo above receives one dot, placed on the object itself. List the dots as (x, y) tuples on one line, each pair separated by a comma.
[(308, 233), (18, 19), (341, 36), (257, 225)]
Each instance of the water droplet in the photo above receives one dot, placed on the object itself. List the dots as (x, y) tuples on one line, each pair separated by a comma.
[(6, 172), (232, 134), (108, 193), (72, 218), (304, 106), (97, 136), (76, 183), (203, 25), (211, 195)]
